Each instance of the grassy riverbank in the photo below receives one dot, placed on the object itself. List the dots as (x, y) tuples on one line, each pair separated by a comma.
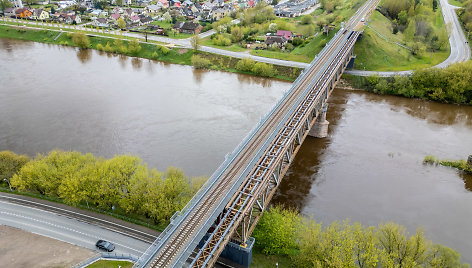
[(150, 51), (449, 85)]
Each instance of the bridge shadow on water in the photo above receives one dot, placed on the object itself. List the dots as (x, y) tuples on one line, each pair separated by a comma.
[(295, 187)]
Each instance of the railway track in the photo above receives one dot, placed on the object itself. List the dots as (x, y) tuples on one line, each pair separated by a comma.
[(191, 224)]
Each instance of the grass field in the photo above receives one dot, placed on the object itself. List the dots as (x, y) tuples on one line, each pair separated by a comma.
[(374, 53), (110, 264), (455, 3), (260, 260), (233, 47)]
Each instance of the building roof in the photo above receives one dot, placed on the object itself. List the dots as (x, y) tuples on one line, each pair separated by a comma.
[(275, 39), (286, 34)]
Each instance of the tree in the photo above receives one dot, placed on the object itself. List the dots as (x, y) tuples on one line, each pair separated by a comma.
[(10, 164), (307, 19), (4, 4), (121, 23), (167, 17), (195, 42), (236, 34), (80, 39), (134, 47), (119, 2)]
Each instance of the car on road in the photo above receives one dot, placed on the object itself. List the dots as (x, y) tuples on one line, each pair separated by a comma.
[(363, 19), (105, 245)]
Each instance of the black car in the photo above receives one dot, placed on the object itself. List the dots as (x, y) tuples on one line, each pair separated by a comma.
[(105, 245)]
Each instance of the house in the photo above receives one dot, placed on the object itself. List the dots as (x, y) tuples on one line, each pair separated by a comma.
[(188, 27), (100, 22), (129, 13), (115, 16), (164, 3), (220, 13), (23, 13), (95, 13), (39, 14), (287, 34), (151, 9), (135, 19), (145, 20), (279, 40), (9, 12)]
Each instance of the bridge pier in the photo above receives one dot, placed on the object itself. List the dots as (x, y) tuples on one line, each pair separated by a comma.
[(320, 128)]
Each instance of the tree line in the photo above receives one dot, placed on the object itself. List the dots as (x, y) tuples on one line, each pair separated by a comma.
[(122, 183), (449, 85), (309, 244)]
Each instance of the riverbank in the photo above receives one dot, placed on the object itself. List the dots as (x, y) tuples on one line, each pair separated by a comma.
[(152, 51), (451, 85)]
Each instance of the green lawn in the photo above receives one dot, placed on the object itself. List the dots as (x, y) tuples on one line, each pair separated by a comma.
[(233, 47), (260, 260), (376, 54), (110, 264), (455, 3)]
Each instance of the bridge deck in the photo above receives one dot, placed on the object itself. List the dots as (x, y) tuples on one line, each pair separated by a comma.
[(182, 236)]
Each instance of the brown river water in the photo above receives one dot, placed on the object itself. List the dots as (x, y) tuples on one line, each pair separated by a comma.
[(369, 169)]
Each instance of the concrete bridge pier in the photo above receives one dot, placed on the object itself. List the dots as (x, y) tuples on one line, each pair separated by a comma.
[(320, 128)]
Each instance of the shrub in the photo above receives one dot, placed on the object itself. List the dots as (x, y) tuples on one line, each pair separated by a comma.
[(200, 62), (220, 40), (264, 69), (164, 50), (245, 64), (154, 55)]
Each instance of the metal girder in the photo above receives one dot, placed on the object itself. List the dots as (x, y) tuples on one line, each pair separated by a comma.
[(247, 208)]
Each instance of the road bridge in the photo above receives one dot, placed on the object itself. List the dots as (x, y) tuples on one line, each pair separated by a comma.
[(229, 205)]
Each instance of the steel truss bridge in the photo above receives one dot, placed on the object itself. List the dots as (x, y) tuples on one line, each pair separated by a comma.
[(228, 207)]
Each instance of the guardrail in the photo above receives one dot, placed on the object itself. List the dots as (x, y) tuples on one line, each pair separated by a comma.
[(104, 256)]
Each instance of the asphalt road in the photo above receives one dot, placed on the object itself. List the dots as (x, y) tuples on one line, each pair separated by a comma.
[(67, 229), (460, 50)]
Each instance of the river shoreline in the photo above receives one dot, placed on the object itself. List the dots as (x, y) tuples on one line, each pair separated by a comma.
[(149, 50)]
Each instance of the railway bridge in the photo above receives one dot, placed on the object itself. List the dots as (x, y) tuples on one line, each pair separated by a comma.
[(228, 207)]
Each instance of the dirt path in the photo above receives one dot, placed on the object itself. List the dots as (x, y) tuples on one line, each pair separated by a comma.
[(23, 249)]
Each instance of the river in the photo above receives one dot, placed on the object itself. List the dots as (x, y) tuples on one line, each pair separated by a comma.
[(369, 169)]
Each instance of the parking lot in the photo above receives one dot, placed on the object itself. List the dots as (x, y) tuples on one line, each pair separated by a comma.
[(19, 248)]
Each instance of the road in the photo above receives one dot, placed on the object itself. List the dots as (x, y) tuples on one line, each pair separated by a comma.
[(460, 50), (67, 229)]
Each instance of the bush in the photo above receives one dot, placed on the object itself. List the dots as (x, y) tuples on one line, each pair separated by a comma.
[(200, 62), (296, 41), (164, 50), (155, 55), (307, 19), (245, 65), (10, 164), (264, 69), (220, 40)]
